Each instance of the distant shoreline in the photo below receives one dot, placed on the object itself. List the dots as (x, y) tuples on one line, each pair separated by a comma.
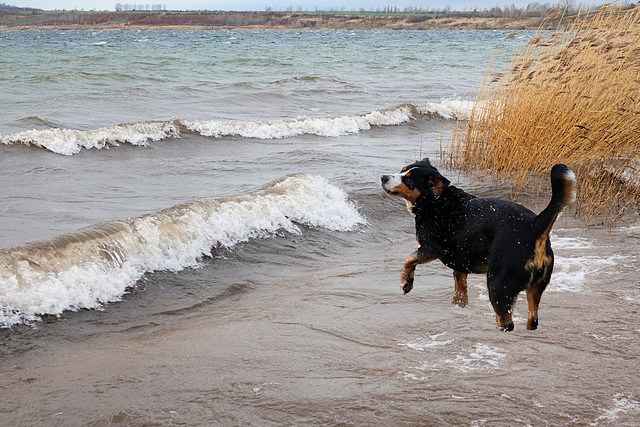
[(194, 21)]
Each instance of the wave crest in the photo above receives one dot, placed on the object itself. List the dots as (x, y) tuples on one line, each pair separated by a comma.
[(99, 264), (331, 126), (68, 142)]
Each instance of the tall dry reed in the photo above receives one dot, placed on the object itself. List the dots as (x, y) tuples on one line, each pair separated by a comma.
[(571, 96)]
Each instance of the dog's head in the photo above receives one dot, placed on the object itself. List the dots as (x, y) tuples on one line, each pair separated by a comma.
[(415, 180)]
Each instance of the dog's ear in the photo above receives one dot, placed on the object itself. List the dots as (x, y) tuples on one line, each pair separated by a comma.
[(437, 184)]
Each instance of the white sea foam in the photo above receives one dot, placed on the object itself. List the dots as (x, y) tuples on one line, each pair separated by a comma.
[(423, 344), (627, 170), (69, 141), (448, 109), (571, 274), (622, 405), (481, 358), (575, 265), (327, 126), (287, 128), (566, 243), (577, 260), (99, 264)]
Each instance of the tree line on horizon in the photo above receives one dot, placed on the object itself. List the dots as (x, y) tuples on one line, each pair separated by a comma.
[(140, 7), (413, 14), (4, 6), (533, 9)]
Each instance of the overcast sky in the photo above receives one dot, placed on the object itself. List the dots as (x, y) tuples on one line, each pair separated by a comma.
[(274, 4)]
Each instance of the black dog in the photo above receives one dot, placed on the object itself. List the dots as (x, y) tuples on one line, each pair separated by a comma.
[(503, 239)]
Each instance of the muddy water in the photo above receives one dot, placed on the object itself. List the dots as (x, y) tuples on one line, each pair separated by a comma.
[(316, 331), (301, 322)]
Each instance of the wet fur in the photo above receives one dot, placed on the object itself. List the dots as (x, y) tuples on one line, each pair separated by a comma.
[(499, 238)]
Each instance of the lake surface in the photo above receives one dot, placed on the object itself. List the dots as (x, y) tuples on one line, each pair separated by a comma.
[(193, 233)]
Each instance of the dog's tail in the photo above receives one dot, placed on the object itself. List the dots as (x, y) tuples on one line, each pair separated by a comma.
[(563, 184)]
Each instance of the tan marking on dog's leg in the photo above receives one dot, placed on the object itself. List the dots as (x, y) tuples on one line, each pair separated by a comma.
[(460, 297), (505, 321), (408, 274), (533, 298), (504, 316), (409, 270)]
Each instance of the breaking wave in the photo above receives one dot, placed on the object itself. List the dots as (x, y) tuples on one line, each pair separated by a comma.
[(97, 265), (69, 142)]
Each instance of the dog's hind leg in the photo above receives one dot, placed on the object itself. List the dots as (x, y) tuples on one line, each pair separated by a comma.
[(502, 304), (533, 298), (409, 270), (460, 297), (534, 293)]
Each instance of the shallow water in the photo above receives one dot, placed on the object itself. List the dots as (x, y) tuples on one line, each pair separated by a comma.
[(282, 317)]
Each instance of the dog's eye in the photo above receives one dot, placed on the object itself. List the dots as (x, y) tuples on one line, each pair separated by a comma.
[(408, 181)]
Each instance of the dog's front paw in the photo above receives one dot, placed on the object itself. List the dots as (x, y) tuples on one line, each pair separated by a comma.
[(407, 286), (506, 328), (408, 275)]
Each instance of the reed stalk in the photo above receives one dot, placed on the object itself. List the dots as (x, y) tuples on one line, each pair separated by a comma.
[(571, 96)]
